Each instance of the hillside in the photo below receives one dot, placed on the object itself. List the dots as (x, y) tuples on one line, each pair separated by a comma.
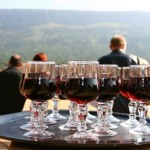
[(70, 35)]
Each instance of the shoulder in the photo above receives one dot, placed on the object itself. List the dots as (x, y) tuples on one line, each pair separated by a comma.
[(104, 57)]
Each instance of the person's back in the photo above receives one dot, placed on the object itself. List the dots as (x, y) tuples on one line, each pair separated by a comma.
[(11, 100), (119, 57)]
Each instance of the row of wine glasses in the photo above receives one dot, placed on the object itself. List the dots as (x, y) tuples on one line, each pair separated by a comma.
[(82, 82)]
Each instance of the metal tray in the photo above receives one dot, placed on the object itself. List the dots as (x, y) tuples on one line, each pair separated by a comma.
[(9, 129)]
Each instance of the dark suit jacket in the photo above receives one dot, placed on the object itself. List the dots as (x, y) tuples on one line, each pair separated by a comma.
[(11, 100), (119, 58), (122, 60)]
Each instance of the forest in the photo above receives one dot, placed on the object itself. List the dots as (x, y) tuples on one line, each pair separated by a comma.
[(70, 35)]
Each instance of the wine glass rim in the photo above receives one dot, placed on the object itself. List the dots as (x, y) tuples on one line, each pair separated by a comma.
[(139, 66), (109, 65), (40, 62), (83, 62), (125, 67)]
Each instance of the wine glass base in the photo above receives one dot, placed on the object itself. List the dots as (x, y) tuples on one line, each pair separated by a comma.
[(108, 125), (113, 119), (82, 138), (101, 132), (37, 134), (27, 117), (94, 125), (111, 126), (29, 126), (56, 116), (140, 130), (48, 121), (88, 121), (68, 127), (130, 123)]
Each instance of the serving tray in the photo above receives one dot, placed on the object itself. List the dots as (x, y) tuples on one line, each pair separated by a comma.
[(9, 130)]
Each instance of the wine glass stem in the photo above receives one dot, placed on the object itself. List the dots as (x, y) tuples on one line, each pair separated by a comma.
[(102, 111), (72, 111), (38, 114), (142, 110), (55, 101), (110, 107), (132, 109), (81, 116)]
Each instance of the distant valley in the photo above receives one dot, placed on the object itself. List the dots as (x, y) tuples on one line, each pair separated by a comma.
[(70, 35)]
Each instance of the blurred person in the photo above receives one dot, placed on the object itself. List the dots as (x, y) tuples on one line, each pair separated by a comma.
[(118, 54), (119, 57), (11, 100), (40, 57)]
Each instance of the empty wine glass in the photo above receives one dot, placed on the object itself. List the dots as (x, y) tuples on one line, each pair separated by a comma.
[(139, 86), (82, 88), (38, 86), (125, 91)]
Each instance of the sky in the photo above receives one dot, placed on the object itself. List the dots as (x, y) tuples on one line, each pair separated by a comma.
[(82, 5)]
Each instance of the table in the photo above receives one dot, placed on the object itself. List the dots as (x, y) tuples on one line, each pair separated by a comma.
[(7, 141)]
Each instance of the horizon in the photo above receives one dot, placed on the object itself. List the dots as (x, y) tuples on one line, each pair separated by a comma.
[(74, 10), (78, 5)]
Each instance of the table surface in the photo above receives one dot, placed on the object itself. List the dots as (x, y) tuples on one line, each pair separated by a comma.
[(21, 145)]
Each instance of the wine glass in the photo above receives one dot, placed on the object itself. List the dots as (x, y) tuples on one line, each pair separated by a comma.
[(30, 124), (125, 91), (38, 86), (82, 88), (71, 123), (109, 90), (55, 111), (139, 86), (111, 117)]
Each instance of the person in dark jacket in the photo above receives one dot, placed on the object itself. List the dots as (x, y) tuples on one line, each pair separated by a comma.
[(119, 57), (11, 100)]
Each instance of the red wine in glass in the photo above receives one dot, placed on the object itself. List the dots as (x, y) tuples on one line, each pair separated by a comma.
[(82, 90), (39, 89), (108, 88), (57, 80), (140, 89), (62, 86), (21, 83), (125, 89)]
